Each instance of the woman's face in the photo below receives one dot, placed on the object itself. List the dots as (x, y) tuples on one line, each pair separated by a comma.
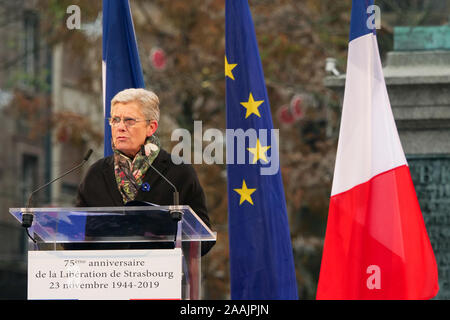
[(129, 139)]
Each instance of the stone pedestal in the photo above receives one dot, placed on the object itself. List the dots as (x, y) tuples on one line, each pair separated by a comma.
[(419, 90)]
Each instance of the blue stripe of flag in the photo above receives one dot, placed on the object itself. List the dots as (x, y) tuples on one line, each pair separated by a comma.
[(358, 24), (120, 54)]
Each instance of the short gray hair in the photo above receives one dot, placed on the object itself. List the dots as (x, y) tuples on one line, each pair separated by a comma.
[(147, 100)]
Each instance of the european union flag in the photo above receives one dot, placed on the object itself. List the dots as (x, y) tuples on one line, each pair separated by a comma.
[(121, 65), (261, 258)]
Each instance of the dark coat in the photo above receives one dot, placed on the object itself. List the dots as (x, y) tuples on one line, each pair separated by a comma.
[(99, 187)]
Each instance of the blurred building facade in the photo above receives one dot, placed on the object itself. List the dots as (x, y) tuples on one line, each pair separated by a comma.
[(24, 159), (38, 101)]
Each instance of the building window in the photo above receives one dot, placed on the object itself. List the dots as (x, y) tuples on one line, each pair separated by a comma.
[(29, 176), (30, 43)]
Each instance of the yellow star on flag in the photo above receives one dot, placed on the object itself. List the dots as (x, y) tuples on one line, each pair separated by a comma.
[(252, 106), (245, 193), (259, 152), (229, 68)]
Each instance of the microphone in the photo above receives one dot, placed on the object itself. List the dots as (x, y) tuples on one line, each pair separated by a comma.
[(176, 214), (27, 215)]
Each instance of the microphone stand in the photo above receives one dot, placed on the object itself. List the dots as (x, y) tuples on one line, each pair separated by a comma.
[(27, 215), (175, 213)]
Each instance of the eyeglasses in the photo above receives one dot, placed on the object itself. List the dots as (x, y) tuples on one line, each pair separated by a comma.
[(128, 122)]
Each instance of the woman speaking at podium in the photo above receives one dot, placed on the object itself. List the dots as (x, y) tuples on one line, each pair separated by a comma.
[(127, 174)]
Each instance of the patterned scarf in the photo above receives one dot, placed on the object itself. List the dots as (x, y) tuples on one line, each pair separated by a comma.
[(130, 172)]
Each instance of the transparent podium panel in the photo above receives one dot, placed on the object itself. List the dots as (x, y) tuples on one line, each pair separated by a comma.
[(134, 252)]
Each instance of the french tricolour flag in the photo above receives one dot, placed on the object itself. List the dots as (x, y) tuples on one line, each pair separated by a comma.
[(376, 245)]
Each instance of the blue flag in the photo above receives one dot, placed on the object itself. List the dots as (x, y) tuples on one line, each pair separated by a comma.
[(261, 258), (121, 64)]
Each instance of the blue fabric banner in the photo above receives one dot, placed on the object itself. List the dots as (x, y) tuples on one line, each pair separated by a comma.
[(261, 257), (121, 65)]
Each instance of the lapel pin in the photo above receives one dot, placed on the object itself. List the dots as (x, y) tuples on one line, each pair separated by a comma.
[(145, 187)]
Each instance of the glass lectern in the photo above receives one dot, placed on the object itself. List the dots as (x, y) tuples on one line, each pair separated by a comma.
[(141, 252)]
